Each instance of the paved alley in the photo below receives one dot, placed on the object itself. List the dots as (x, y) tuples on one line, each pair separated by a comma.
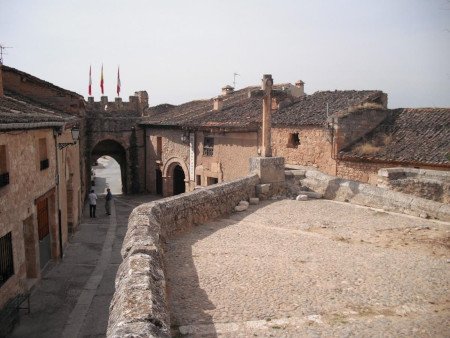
[(72, 298)]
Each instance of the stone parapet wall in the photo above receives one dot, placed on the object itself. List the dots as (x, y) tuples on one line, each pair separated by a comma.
[(365, 194), (362, 171), (139, 305), (429, 184)]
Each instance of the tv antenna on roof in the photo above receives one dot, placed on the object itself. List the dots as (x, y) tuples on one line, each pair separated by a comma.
[(234, 79), (1, 53)]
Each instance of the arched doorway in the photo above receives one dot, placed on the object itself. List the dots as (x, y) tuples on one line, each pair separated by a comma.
[(179, 186), (108, 154), (159, 182)]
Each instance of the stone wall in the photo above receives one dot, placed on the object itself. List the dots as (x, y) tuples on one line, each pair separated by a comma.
[(230, 157), (365, 194), (351, 126), (362, 171), (232, 151), (429, 184), (172, 149), (314, 149), (17, 202), (139, 305)]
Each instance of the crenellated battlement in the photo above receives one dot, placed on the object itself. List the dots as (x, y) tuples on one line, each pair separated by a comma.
[(134, 107)]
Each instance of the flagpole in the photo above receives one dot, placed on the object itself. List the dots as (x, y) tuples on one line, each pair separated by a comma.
[(102, 82), (90, 81), (118, 81)]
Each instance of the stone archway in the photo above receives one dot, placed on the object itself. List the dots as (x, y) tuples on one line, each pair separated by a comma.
[(115, 150), (174, 173)]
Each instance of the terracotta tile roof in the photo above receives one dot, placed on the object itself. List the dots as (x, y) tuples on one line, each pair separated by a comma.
[(19, 110), (40, 81), (312, 109), (241, 111), (413, 135), (238, 111)]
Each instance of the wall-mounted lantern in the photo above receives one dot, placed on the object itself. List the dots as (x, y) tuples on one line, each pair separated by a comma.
[(185, 137), (75, 136)]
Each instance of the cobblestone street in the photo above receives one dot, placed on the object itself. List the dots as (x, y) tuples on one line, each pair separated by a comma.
[(315, 268), (72, 298)]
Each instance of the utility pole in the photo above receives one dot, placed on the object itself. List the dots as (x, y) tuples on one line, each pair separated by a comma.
[(2, 52)]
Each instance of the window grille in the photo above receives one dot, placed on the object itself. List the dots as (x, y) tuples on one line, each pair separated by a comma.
[(208, 146), (6, 258)]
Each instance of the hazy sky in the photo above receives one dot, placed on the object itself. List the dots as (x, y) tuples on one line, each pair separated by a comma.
[(184, 50)]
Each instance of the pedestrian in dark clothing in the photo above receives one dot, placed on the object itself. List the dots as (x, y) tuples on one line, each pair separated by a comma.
[(92, 203), (108, 199)]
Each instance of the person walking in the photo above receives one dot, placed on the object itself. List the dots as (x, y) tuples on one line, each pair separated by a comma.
[(108, 199), (92, 203)]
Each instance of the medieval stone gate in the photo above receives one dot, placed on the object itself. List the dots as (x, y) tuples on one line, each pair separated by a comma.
[(112, 129)]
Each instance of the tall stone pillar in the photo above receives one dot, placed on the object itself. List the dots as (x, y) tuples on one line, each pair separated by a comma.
[(267, 84)]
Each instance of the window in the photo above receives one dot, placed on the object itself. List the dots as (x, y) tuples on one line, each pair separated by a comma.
[(294, 140), (4, 175), (43, 158), (6, 258), (208, 146), (212, 180), (198, 179), (159, 147)]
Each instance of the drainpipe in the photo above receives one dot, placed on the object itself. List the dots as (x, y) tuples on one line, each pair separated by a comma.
[(55, 137)]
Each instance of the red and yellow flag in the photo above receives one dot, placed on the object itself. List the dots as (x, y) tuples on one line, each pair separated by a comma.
[(90, 82), (118, 81), (101, 82)]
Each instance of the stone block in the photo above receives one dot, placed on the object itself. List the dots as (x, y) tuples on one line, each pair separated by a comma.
[(262, 188), (254, 200), (244, 203), (240, 207), (269, 169)]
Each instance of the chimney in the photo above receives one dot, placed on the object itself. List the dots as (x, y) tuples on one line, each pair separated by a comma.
[(143, 98), (301, 85), (227, 90), (1, 80), (218, 103)]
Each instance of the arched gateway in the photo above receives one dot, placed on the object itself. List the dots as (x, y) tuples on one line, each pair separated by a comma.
[(116, 151)]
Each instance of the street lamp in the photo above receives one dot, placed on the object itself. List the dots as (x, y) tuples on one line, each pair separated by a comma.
[(75, 136)]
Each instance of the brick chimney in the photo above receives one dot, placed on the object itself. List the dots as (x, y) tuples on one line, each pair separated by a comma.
[(301, 85), (1, 81), (227, 90), (218, 103)]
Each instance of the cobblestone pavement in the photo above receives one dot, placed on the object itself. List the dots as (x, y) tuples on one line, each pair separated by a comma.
[(72, 298), (314, 268)]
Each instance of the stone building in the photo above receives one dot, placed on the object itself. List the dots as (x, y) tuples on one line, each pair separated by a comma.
[(412, 138), (203, 142), (112, 129), (41, 194)]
